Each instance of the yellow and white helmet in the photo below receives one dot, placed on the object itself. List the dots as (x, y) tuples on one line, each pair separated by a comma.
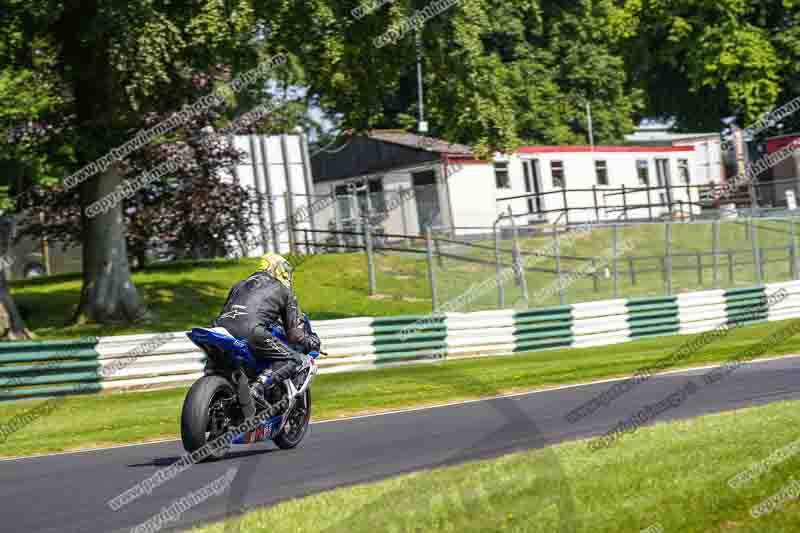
[(279, 268)]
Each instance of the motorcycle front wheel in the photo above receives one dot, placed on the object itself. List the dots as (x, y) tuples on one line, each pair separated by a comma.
[(296, 426)]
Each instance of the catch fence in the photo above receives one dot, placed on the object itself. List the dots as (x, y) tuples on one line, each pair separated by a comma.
[(530, 266)]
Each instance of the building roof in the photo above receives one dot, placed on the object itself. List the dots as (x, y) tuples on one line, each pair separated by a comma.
[(600, 149), (661, 136), (420, 142)]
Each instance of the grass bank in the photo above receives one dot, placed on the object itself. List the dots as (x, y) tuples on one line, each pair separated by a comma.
[(183, 295)]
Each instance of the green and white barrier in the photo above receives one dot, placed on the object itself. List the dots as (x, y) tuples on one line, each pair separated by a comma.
[(31, 369)]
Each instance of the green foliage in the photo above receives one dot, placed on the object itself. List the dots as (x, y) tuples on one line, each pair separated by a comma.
[(701, 60), (497, 74)]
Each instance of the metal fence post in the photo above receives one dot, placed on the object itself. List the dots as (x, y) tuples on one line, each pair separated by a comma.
[(595, 282), (794, 270), (404, 216), (668, 255), (357, 218), (632, 268), (731, 265), (438, 247), (557, 251), (370, 257), (756, 254), (289, 221), (517, 259), (501, 293), (431, 270), (715, 250), (624, 203), (337, 225), (699, 268), (614, 251)]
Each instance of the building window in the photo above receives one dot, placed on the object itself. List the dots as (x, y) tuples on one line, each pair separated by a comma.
[(683, 170), (557, 171), (501, 179), (376, 196), (643, 172), (662, 172), (343, 201), (601, 172)]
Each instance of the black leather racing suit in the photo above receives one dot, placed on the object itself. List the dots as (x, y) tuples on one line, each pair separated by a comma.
[(257, 304)]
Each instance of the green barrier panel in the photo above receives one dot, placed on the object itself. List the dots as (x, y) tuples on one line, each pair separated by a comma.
[(403, 337), (653, 316), (409, 354), (529, 345), (50, 379), (636, 302), (653, 331), (33, 369), (22, 370), (47, 355), (563, 333), (531, 328), (548, 313), (406, 346), (408, 329), (538, 329), (400, 339), (658, 313), (82, 388)]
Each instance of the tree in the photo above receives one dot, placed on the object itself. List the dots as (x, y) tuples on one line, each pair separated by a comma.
[(34, 132), (118, 61), (196, 211), (497, 74), (700, 61)]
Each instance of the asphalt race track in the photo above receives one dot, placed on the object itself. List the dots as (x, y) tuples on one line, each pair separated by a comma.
[(68, 492)]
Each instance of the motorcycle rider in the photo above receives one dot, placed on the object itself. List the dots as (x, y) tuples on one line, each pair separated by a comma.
[(265, 301)]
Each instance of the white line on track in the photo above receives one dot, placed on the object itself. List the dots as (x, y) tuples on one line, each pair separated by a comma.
[(688, 370)]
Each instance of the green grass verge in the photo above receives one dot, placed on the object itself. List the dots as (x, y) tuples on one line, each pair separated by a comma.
[(672, 476), (189, 294), (646, 241), (135, 417)]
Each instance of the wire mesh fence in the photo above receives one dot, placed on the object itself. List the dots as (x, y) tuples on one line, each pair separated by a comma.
[(526, 266), (599, 262)]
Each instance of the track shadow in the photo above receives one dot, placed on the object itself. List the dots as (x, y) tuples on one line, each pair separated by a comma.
[(169, 461)]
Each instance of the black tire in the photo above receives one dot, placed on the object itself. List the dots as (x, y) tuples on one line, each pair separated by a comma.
[(297, 426), (196, 415)]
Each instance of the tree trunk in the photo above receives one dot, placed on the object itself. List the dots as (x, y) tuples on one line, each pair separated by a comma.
[(108, 294), (12, 327)]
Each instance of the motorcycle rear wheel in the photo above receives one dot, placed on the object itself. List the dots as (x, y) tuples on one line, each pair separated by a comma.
[(205, 415)]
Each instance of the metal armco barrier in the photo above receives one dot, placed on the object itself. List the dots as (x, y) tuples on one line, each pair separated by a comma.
[(35, 369)]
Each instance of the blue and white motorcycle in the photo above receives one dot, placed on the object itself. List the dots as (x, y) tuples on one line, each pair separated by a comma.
[(213, 408)]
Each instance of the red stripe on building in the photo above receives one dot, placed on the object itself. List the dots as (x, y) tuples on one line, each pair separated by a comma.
[(773, 145)]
